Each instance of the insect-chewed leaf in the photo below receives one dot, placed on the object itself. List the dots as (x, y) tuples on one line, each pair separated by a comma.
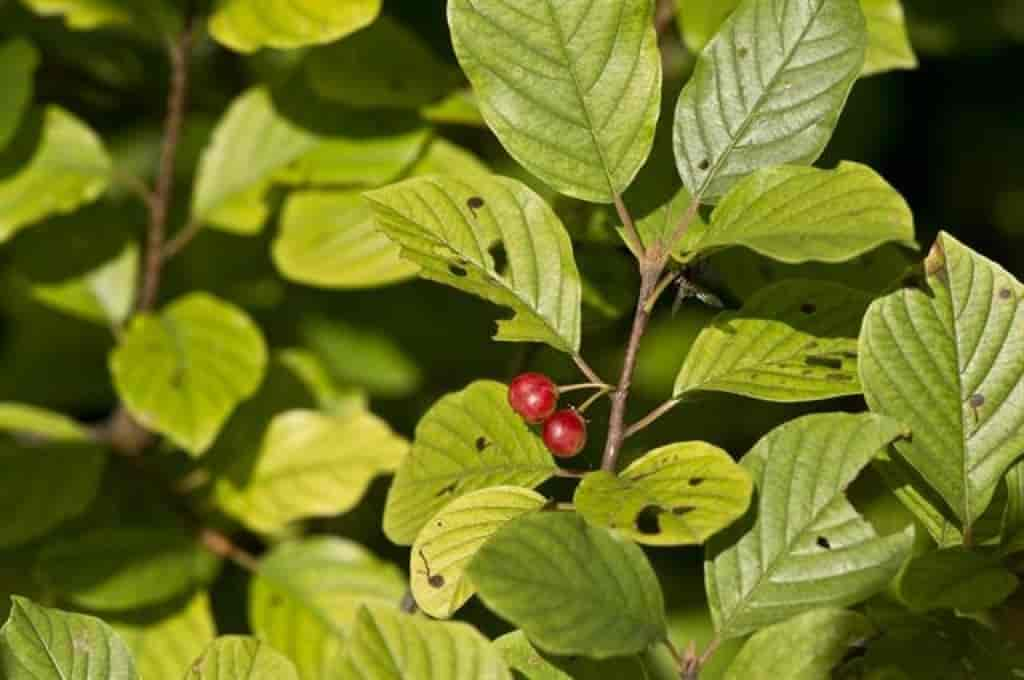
[(823, 637), (798, 214), (468, 440), (165, 642), (49, 644), (387, 645), (449, 541), (529, 664), (305, 596), (248, 25), (753, 103), (889, 45), (183, 372), (492, 237), (571, 587), (947, 358), (807, 546), (571, 88), (956, 578), (241, 658), (18, 62), (792, 341), (680, 494)]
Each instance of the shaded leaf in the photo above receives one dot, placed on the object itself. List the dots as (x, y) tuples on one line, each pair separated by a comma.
[(118, 569), (956, 578), (18, 62), (796, 214), (680, 494), (572, 89), (807, 546), (468, 440), (793, 341), (49, 644), (32, 421), (752, 104), (445, 546), (455, 228), (305, 596), (699, 20), (241, 658), (445, 158), (166, 641), (387, 645), (529, 664), (310, 465), (572, 588), (807, 647), (248, 25), (183, 372), (153, 17), (947, 361), (54, 165), (458, 108)]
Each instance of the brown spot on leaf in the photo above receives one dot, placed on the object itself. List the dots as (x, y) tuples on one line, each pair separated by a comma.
[(696, 481), (482, 443), (458, 271), (1005, 294), (704, 164), (977, 400), (475, 203), (436, 581)]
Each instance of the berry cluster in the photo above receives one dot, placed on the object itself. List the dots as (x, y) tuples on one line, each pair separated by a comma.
[(535, 397)]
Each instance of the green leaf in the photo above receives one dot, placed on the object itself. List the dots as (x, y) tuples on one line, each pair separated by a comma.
[(166, 641), (468, 440), (241, 658), (312, 465), (753, 104), (118, 569), (807, 546), (699, 20), (807, 647), (30, 507), (888, 43), (155, 17), (385, 66), (305, 596), (49, 644), (19, 60), (183, 372), (660, 225), (571, 88), (956, 578), (529, 664), (793, 341), (945, 359), (386, 645), (248, 25), (458, 108), (460, 229), (448, 542), (572, 588), (1013, 518), (797, 214), (680, 494), (329, 240), (33, 421), (104, 295), (369, 157), (444, 158), (54, 165)]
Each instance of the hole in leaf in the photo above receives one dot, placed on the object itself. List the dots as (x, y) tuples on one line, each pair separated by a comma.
[(839, 377), (823, 543), (1005, 294), (696, 481), (977, 400), (683, 510), (823, 362), (647, 520), (808, 308), (549, 505), (482, 443), (456, 270), (475, 203), (498, 256), (704, 164), (436, 581), (448, 489)]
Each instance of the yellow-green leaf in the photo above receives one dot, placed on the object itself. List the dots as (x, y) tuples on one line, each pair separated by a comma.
[(248, 25), (33, 421), (241, 658), (888, 43), (167, 640)]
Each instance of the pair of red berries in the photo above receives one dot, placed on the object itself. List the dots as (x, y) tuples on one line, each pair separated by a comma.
[(534, 397)]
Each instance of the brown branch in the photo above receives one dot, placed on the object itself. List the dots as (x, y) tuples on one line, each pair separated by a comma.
[(221, 545), (651, 417), (665, 13), (182, 239), (586, 370), (180, 51)]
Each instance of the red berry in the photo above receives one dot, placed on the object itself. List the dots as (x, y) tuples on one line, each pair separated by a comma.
[(533, 396), (565, 433)]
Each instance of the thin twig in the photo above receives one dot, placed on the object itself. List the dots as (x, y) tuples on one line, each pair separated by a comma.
[(586, 369), (709, 652), (651, 417), (180, 51), (571, 474), (633, 239), (134, 184), (582, 408), (674, 651), (565, 389), (683, 226), (221, 545), (182, 239), (664, 283)]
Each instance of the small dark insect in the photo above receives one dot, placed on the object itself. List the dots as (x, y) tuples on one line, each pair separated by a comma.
[(689, 287)]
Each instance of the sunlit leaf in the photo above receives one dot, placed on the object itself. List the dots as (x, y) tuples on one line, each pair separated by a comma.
[(806, 546), (105, 294), (572, 89), (445, 158), (445, 546), (32, 421), (386, 645), (572, 588), (946, 359), (680, 494), (248, 25), (155, 17), (468, 440), (752, 103), (241, 658), (305, 596), (167, 640), (183, 371), (793, 341), (49, 644), (888, 43), (18, 62), (464, 231)]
